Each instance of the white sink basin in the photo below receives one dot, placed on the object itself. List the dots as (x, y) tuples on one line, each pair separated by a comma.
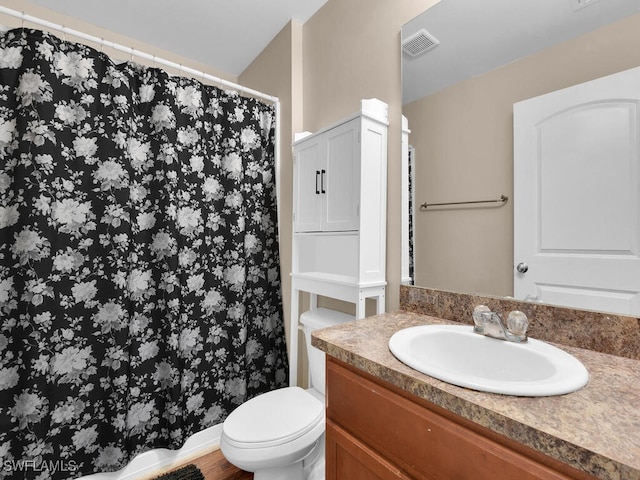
[(457, 355)]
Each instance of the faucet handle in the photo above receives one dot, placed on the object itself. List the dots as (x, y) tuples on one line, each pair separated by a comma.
[(478, 320), (517, 324)]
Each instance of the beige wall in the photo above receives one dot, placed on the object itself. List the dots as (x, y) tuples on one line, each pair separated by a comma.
[(352, 51), (278, 71), (348, 51), (464, 151)]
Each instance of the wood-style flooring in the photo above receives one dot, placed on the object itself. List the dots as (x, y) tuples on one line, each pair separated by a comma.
[(213, 466)]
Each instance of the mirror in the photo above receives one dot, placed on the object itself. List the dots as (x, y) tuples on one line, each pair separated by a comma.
[(458, 99)]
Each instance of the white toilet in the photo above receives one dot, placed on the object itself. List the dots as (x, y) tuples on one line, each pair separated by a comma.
[(280, 434)]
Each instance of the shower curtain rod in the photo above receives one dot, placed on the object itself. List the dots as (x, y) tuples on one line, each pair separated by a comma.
[(134, 52)]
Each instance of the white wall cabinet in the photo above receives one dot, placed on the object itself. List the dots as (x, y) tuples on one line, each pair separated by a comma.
[(326, 180), (339, 214)]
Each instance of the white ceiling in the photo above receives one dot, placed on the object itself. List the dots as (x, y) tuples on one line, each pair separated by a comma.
[(475, 36), (225, 34), (479, 36)]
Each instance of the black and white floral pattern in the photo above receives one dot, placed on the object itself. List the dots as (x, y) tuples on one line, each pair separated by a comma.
[(139, 269)]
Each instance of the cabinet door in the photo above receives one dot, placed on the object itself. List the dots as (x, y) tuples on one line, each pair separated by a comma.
[(340, 178), (350, 459), (421, 442), (307, 188)]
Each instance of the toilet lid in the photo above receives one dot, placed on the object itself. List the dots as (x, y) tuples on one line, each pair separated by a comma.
[(273, 418)]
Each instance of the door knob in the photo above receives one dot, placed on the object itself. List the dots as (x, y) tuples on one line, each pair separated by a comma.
[(522, 267)]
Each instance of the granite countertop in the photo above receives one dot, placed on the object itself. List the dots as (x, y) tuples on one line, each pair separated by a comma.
[(596, 429)]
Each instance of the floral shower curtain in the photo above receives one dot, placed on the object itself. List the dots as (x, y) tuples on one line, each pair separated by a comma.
[(139, 269)]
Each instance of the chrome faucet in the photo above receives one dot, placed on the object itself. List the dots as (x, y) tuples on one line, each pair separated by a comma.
[(490, 324)]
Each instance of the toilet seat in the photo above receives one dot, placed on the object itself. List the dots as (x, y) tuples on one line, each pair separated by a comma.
[(274, 418)]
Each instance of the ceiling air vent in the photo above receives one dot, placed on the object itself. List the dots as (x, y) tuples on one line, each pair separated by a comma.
[(578, 4), (418, 43)]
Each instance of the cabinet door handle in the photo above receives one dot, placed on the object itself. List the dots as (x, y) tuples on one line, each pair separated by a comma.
[(324, 174), (317, 175)]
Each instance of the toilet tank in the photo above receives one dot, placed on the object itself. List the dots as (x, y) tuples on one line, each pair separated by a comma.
[(313, 320)]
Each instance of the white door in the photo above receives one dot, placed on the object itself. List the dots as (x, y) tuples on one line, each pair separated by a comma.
[(340, 179), (577, 196), (307, 190)]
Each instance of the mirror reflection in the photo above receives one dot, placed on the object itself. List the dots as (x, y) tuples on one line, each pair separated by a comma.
[(459, 98)]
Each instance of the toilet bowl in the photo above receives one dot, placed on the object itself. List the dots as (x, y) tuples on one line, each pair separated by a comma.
[(280, 434)]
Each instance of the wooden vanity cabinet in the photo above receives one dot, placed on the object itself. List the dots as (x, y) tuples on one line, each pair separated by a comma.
[(377, 431)]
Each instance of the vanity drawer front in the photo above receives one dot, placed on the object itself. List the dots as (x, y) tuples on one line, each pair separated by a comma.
[(421, 442), (350, 459)]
